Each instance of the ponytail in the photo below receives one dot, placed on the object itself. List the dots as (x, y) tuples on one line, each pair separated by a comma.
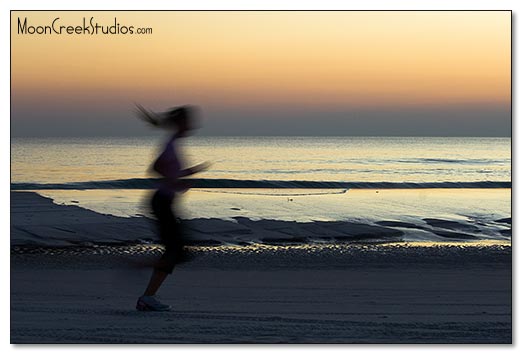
[(149, 117)]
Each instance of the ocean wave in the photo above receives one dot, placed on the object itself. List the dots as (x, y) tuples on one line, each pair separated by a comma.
[(454, 161), (151, 183)]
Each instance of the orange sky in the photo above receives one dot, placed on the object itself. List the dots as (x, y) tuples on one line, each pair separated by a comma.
[(258, 58)]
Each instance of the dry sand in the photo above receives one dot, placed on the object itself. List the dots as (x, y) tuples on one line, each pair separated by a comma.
[(444, 294)]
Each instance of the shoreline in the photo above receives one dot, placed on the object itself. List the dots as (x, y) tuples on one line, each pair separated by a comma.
[(212, 219)]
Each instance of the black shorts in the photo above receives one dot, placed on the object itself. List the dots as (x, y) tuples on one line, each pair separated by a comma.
[(170, 231)]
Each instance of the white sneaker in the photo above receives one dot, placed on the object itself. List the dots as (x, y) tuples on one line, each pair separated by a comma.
[(150, 303)]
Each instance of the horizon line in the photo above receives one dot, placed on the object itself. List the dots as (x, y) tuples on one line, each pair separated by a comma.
[(263, 136)]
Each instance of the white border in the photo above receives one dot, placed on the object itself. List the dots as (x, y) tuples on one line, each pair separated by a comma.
[(8, 5)]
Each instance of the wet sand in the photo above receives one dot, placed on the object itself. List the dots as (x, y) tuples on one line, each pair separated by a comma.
[(360, 215)]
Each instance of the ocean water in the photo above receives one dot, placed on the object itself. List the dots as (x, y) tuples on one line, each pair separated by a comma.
[(319, 159), (430, 189)]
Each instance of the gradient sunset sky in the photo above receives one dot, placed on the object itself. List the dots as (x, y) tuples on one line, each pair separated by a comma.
[(437, 73)]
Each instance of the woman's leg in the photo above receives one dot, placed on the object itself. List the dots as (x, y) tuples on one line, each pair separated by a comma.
[(162, 269), (167, 225), (157, 278)]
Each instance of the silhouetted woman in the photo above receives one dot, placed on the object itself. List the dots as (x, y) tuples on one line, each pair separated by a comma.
[(180, 121)]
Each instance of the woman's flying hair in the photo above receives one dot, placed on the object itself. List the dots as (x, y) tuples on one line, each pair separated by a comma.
[(166, 119)]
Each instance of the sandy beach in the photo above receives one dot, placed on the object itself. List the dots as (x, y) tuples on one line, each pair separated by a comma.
[(446, 294), (378, 292)]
